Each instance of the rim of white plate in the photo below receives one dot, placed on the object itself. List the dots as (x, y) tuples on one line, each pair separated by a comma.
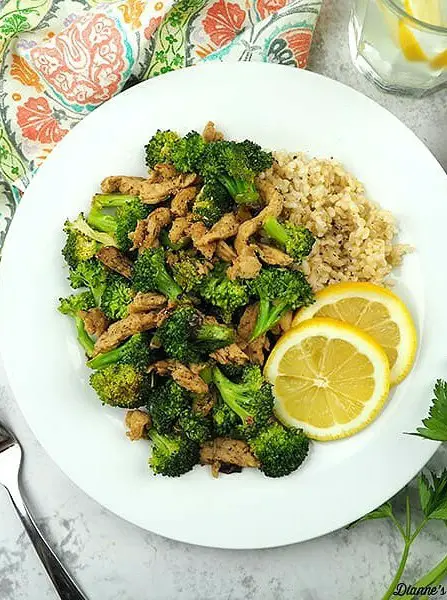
[(266, 519)]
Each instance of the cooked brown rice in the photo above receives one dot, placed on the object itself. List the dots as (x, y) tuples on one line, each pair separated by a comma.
[(354, 235)]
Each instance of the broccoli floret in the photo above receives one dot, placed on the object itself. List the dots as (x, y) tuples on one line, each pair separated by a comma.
[(78, 248), (212, 202), (127, 217), (258, 159), (159, 148), (278, 291), (82, 241), (233, 371), (71, 306), (136, 351), (251, 399), (188, 271), (127, 211), (166, 403), (172, 455), (195, 426), (120, 385), (226, 162), (280, 450), (151, 275), (235, 165), (296, 240), (225, 420), (187, 338), (91, 274), (225, 294), (117, 296), (187, 152)]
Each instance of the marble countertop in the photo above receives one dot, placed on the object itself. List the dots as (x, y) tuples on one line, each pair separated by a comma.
[(113, 560)]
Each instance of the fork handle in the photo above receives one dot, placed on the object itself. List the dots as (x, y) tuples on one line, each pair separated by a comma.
[(65, 586)]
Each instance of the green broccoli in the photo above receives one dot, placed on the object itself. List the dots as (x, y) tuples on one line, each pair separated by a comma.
[(258, 159), (212, 202), (166, 241), (172, 455), (116, 297), (136, 351), (91, 274), (251, 399), (160, 146), (187, 152), (187, 338), (195, 426), (151, 275), (278, 291), (71, 306), (296, 240), (225, 420), (82, 241), (188, 271), (78, 247), (279, 450), (120, 385), (127, 211), (234, 165), (166, 403), (225, 294)]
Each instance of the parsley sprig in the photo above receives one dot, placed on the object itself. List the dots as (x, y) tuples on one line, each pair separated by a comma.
[(433, 502), (435, 425)]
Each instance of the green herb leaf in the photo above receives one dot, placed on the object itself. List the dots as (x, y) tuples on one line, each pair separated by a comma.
[(382, 512), (433, 495), (424, 492), (436, 423)]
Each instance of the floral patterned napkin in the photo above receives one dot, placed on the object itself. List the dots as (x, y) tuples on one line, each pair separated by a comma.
[(60, 59)]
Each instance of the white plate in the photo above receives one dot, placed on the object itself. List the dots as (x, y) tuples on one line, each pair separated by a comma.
[(280, 108)]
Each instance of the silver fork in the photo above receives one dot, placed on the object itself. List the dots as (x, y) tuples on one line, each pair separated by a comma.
[(10, 467)]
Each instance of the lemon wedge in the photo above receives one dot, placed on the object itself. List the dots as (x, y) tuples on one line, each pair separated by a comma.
[(375, 310), (329, 378)]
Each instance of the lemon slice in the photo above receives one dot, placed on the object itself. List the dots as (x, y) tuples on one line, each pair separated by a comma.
[(418, 46), (329, 378), (411, 48), (375, 310), (428, 11)]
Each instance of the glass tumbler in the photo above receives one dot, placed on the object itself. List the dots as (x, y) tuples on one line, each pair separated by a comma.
[(400, 53)]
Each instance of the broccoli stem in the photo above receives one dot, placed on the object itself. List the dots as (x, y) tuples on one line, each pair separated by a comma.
[(166, 242), (241, 190), (83, 337), (230, 392), (160, 440), (115, 200), (80, 225), (214, 333), (167, 286), (108, 358), (275, 230), (268, 316), (101, 222), (206, 374), (104, 222)]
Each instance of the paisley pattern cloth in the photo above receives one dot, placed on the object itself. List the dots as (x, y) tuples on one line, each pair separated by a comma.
[(60, 59)]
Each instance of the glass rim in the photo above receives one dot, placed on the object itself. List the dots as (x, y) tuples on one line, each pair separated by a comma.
[(423, 24)]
